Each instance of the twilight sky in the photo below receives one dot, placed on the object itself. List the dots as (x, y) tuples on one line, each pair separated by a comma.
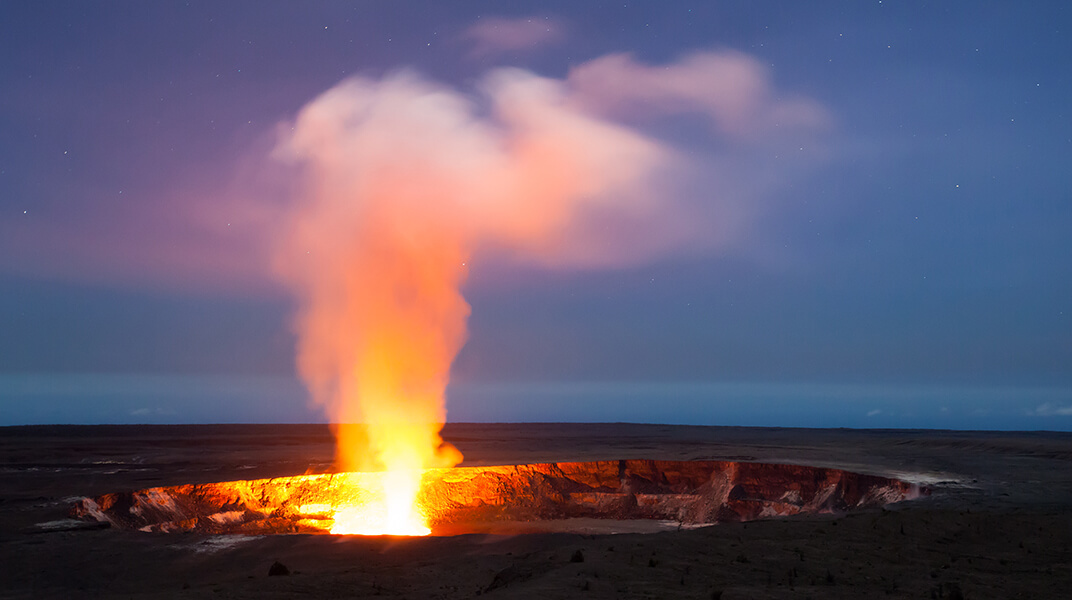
[(862, 215)]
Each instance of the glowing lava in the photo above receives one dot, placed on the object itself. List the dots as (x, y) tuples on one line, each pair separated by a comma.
[(379, 503), (389, 510)]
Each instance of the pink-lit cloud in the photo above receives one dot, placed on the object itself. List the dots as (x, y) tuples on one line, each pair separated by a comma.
[(192, 236), (562, 172), (496, 35), (731, 89), (417, 157)]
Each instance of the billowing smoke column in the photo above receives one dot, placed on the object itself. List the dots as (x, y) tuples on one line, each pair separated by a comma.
[(403, 180)]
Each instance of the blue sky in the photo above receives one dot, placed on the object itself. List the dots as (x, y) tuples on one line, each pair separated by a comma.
[(908, 253)]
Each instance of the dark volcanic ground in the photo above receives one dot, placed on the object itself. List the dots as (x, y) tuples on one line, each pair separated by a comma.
[(998, 523)]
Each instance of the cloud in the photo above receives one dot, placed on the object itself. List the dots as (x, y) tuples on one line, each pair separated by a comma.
[(733, 90), (208, 231), (1052, 409), (497, 35), (168, 240), (567, 172), (874, 412), (158, 411)]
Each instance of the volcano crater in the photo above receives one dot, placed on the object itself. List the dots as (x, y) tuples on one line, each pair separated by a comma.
[(597, 497)]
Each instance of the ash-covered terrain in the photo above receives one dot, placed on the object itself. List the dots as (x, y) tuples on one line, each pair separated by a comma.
[(997, 522)]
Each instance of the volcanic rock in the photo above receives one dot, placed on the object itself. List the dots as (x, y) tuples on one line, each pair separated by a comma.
[(278, 568)]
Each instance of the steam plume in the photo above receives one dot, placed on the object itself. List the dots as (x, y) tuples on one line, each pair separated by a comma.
[(403, 181), (496, 35)]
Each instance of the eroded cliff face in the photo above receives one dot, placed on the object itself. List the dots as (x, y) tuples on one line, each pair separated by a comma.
[(456, 500)]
